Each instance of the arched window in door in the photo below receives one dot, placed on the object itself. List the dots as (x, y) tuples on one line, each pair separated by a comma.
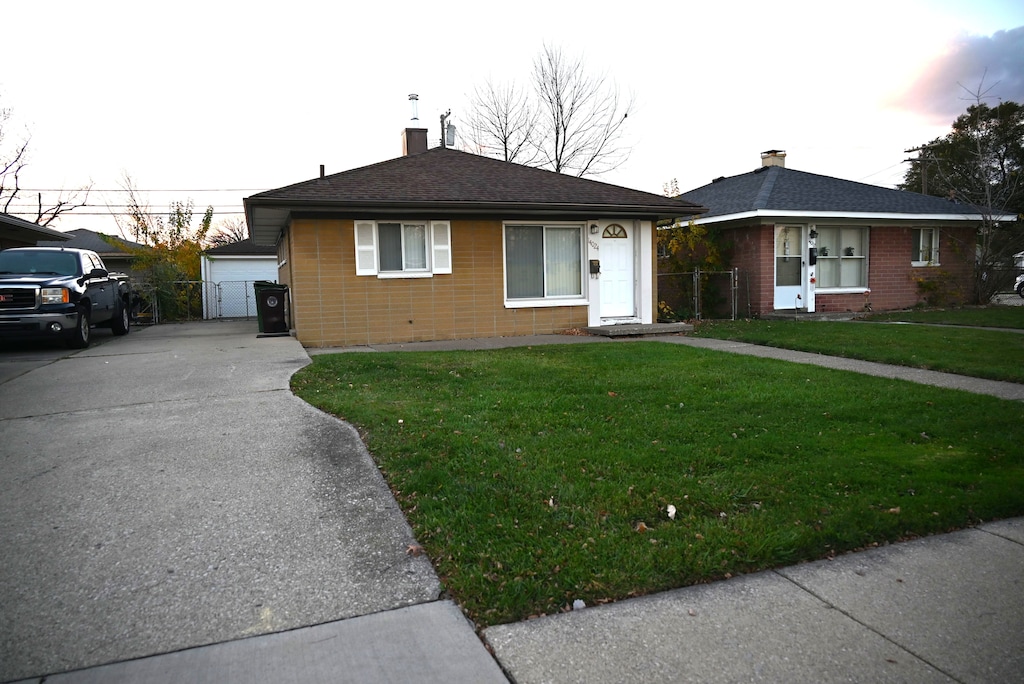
[(614, 230)]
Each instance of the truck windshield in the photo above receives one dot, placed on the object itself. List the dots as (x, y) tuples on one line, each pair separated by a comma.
[(28, 262)]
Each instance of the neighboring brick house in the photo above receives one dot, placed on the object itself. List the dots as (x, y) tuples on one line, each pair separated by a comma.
[(440, 244), (820, 244)]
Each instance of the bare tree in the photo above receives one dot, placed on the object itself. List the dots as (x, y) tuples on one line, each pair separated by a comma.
[(12, 163), (228, 232), (569, 121), (502, 123), (581, 116), (141, 224)]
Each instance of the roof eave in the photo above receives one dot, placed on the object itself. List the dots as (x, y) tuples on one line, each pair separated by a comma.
[(852, 216), (267, 217)]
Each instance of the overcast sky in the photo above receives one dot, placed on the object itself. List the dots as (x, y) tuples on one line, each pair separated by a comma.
[(244, 97)]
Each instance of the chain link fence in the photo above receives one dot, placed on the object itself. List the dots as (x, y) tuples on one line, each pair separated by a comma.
[(700, 294), (192, 300)]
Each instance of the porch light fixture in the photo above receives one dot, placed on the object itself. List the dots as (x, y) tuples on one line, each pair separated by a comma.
[(813, 234), (593, 229)]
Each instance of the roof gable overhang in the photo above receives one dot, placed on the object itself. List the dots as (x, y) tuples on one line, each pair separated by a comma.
[(16, 228)]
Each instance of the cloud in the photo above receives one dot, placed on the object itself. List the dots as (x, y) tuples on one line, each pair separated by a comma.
[(992, 64)]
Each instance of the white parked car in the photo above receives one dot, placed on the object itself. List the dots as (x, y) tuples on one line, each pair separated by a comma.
[(1018, 285)]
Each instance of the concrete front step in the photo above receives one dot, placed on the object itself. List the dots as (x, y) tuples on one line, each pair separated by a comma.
[(639, 329)]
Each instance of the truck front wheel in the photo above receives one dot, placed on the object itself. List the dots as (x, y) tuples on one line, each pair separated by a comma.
[(81, 335), (120, 323)]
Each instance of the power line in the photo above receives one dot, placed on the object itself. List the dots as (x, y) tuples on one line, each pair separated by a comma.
[(888, 168), (216, 207), (73, 213), (142, 190)]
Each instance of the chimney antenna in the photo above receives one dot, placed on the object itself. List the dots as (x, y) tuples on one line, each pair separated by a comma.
[(444, 129), (414, 99)]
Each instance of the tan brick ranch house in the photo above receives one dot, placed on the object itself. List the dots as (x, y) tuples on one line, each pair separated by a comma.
[(817, 243), (439, 244)]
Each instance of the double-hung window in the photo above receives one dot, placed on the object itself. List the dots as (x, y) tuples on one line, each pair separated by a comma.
[(403, 249), (543, 264), (924, 248)]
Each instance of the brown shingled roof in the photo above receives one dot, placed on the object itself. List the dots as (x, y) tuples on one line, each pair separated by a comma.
[(454, 182)]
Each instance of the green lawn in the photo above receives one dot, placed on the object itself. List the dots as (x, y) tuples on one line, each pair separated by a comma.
[(536, 476), (989, 316), (992, 354)]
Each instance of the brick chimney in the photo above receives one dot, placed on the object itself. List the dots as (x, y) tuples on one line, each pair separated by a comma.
[(414, 141), (774, 158)]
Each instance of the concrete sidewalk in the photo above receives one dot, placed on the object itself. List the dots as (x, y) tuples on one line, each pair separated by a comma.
[(948, 608)]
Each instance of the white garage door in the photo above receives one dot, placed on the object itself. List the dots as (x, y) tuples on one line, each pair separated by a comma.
[(228, 290)]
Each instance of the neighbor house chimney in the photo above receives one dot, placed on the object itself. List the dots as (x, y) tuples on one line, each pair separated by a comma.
[(414, 141), (774, 158)]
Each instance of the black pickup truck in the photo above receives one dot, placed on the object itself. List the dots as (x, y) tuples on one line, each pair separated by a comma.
[(55, 292)]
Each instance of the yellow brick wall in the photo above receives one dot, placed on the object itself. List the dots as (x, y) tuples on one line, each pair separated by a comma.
[(333, 307)]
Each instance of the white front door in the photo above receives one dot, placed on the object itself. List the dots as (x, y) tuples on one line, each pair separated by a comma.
[(789, 267), (618, 287)]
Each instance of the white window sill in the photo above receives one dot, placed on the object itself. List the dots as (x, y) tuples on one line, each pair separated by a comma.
[(924, 264), (840, 290), (537, 303), (405, 274)]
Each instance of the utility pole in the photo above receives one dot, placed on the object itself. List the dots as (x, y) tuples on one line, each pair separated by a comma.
[(922, 159)]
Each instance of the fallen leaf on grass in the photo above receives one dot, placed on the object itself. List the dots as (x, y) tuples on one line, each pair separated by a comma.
[(414, 550), (641, 527)]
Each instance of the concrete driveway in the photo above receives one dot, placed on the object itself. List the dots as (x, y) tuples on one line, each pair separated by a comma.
[(166, 490)]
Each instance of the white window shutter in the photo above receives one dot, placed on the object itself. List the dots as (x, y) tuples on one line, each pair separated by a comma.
[(366, 248), (441, 234)]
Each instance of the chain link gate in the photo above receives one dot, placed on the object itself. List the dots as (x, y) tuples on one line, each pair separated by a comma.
[(229, 299), (698, 294)]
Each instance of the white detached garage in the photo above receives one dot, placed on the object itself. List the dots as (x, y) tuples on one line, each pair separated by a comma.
[(228, 274)]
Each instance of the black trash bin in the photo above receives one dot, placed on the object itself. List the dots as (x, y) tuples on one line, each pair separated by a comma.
[(271, 307)]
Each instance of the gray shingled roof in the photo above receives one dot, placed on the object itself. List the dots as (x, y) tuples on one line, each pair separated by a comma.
[(450, 182), (779, 191), (83, 238)]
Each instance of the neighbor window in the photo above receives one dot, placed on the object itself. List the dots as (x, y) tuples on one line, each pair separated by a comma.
[(396, 249), (924, 248), (842, 257), (543, 262)]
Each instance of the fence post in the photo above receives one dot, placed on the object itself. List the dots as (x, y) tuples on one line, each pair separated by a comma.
[(696, 293), (735, 289)]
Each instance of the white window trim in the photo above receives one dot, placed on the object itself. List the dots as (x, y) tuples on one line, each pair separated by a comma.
[(935, 249), (439, 249), (866, 257), (581, 299)]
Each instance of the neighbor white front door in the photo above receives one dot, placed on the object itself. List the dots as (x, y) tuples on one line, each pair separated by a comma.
[(618, 287), (789, 267)]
